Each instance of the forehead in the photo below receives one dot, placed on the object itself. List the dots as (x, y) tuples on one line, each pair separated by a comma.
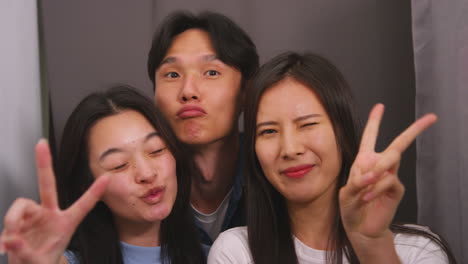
[(192, 42), (123, 128), (289, 99)]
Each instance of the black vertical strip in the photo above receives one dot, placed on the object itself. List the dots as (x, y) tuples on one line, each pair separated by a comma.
[(52, 139), (46, 102)]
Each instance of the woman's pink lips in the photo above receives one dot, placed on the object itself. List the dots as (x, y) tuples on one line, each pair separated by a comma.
[(190, 111), (154, 195), (297, 171)]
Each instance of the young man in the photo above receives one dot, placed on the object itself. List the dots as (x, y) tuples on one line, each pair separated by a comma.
[(200, 65)]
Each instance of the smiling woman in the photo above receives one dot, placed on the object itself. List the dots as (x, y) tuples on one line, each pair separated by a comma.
[(292, 122), (314, 194), (115, 147)]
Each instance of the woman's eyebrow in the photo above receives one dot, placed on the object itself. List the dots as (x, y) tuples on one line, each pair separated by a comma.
[(301, 118), (151, 135), (267, 123), (297, 119), (117, 150), (108, 152)]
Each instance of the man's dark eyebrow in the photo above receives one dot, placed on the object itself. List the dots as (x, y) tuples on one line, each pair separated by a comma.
[(168, 60), (210, 57)]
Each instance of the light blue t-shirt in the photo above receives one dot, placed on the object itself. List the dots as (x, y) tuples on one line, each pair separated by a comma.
[(131, 255)]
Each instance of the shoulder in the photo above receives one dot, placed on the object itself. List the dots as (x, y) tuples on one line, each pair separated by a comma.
[(417, 248), (231, 246)]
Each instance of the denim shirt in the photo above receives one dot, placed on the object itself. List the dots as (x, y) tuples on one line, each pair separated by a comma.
[(235, 214)]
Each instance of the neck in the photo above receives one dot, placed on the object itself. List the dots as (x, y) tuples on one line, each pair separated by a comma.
[(218, 166), (312, 223), (139, 234)]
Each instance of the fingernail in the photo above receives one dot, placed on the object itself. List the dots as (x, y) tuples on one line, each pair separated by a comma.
[(12, 244), (5, 239), (2, 246)]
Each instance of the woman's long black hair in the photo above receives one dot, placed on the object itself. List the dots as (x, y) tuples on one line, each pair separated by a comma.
[(96, 239), (269, 226)]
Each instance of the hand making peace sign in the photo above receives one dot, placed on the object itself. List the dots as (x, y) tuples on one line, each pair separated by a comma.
[(39, 233), (370, 198)]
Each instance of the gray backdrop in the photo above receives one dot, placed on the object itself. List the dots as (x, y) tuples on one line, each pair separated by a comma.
[(441, 60), (91, 44), (20, 102)]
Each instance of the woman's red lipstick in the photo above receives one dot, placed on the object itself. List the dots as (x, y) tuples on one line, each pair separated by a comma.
[(297, 171)]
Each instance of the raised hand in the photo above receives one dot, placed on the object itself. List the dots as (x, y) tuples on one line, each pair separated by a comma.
[(369, 199), (39, 233)]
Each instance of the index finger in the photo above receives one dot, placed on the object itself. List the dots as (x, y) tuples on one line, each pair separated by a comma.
[(46, 177), (371, 131), (402, 142)]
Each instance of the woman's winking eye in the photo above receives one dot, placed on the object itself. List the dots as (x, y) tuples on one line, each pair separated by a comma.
[(309, 124)]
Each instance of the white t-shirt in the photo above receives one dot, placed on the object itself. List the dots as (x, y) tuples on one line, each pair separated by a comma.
[(213, 222), (232, 247)]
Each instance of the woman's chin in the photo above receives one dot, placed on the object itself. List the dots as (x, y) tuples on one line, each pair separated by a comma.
[(158, 213)]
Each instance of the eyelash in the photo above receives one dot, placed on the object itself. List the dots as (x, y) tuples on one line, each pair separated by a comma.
[(213, 71), (310, 124), (267, 131), (271, 131), (170, 73), (125, 164), (207, 73), (119, 167), (157, 151)]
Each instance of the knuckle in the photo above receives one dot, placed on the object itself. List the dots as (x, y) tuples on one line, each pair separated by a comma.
[(353, 182), (16, 210), (342, 192), (20, 200), (394, 154)]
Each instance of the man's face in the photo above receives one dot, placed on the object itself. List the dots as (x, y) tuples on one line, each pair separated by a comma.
[(197, 92)]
